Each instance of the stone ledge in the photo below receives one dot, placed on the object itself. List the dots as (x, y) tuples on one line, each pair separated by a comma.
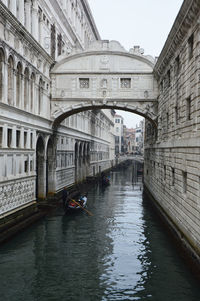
[(19, 220)]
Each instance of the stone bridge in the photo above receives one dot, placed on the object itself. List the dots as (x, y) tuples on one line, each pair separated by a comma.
[(104, 76)]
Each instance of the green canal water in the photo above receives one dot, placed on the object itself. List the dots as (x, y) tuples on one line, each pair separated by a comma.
[(120, 253)]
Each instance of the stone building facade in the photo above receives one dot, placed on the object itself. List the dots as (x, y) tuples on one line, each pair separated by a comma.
[(119, 134), (35, 161), (172, 152)]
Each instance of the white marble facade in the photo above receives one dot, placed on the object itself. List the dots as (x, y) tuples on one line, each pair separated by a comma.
[(34, 161)]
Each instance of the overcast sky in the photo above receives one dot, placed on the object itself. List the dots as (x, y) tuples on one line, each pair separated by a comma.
[(146, 23)]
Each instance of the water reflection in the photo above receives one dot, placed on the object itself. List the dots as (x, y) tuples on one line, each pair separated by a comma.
[(120, 253)]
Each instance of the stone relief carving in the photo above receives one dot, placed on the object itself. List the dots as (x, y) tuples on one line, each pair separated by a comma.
[(104, 62), (62, 93), (16, 194), (25, 50), (39, 62), (104, 83), (16, 42), (6, 34), (146, 94)]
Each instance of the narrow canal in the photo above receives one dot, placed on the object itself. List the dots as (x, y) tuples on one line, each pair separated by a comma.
[(120, 253)]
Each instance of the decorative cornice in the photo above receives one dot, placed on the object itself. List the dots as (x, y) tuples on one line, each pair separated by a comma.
[(23, 34), (185, 18)]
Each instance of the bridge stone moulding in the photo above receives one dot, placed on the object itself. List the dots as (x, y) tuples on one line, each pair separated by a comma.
[(104, 76)]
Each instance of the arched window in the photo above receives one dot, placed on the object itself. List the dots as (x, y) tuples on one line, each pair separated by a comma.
[(18, 84), (40, 95), (10, 80), (32, 91), (26, 89), (2, 61)]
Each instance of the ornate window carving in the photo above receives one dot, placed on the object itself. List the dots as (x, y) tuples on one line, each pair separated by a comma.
[(125, 83), (84, 83)]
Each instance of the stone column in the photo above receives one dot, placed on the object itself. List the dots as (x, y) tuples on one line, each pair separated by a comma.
[(36, 97), (40, 29), (22, 92), (21, 11), (28, 145), (35, 21), (5, 88), (14, 164), (52, 173), (5, 165), (14, 87), (28, 106), (42, 177), (28, 15), (13, 142), (5, 136), (21, 143)]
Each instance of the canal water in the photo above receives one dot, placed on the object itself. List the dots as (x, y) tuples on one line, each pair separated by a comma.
[(119, 253)]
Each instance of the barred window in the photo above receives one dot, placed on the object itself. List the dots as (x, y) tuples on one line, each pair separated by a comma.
[(188, 108), (184, 181), (84, 83), (190, 46), (125, 83)]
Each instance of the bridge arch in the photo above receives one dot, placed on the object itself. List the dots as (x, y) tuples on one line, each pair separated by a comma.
[(104, 76), (145, 112)]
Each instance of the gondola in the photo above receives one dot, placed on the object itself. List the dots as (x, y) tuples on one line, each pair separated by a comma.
[(76, 204), (105, 181)]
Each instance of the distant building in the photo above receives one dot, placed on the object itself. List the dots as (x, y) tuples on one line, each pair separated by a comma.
[(139, 137), (119, 134), (129, 140)]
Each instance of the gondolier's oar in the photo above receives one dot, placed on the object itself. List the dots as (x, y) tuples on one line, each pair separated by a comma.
[(90, 213)]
